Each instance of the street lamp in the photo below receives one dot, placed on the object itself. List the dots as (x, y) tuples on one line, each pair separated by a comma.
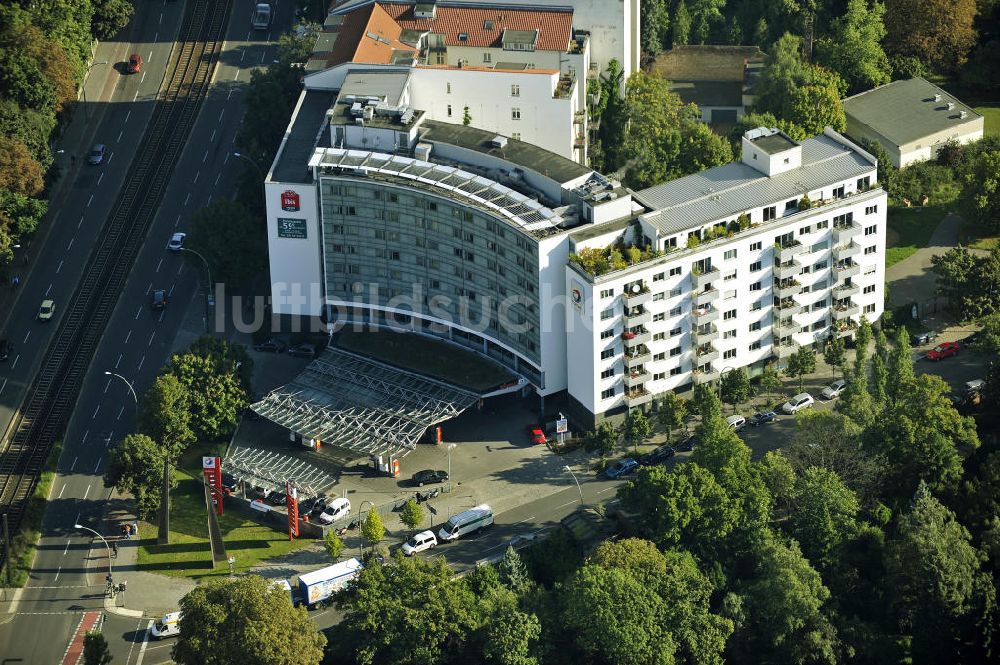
[(252, 161), (128, 383), (84, 86), (450, 446), (578, 488), (86, 528)]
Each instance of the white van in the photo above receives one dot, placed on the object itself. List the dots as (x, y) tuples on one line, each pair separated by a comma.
[(465, 522), (168, 626)]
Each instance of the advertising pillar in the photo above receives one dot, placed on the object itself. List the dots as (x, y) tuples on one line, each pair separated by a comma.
[(211, 467), (292, 493)]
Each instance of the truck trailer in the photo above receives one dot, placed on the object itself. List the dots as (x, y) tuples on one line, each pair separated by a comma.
[(319, 585)]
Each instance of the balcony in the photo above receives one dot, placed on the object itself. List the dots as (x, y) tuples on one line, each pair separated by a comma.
[(706, 353), (786, 350), (579, 117), (788, 308), (634, 357), (634, 338), (847, 270), (638, 396), (705, 315), (706, 279), (846, 251), (790, 251), (637, 316), (637, 293), (844, 328), (787, 270), (705, 333), (706, 298), (845, 232), (637, 376), (787, 289), (800, 317), (701, 376), (841, 312), (846, 290)]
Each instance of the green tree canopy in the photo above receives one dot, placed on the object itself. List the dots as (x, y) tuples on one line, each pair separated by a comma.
[(136, 466), (736, 387), (671, 411), (637, 428), (232, 239), (854, 49), (835, 353), (372, 528), (802, 363), (824, 514), (166, 414), (95, 649), (216, 375), (412, 514), (938, 33), (333, 545)]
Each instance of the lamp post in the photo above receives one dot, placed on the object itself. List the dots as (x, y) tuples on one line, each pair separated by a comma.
[(86, 528), (131, 389), (209, 298), (450, 446), (578, 488), (252, 161), (84, 86)]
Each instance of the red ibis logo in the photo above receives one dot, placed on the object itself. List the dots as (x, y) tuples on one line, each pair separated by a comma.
[(290, 201)]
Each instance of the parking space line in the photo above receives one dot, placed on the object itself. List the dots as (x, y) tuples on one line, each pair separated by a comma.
[(61, 490), (98, 465), (100, 178), (128, 115), (90, 200), (209, 199), (26, 336), (218, 176), (80, 223), (70, 245), (128, 336), (118, 362), (86, 492), (212, 139), (524, 520), (138, 312), (73, 466), (120, 412), (186, 199), (110, 157), (196, 176), (151, 335), (158, 265), (93, 417), (222, 113), (59, 267), (204, 158), (149, 288), (68, 543), (3, 386), (47, 290), (16, 358), (569, 503), (120, 136), (107, 387), (141, 361)]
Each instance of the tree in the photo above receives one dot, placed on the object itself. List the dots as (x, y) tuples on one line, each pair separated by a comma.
[(980, 177), (835, 353), (110, 16), (814, 107), (900, 366), (232, 240), (412, 514), (705, 13), (655, 26), (862, 340), (736, 387), (216, 375), (95, 649), (637, 427), (372, 528), (880, 373), (778, 476), (671, 412), (957, 273), (801, 363), (604, 439), (770, 380), (333, 545), (136, 466), (854, 49), (682, 24), (939, 33), (701, 148), (509, 632), (242, 621), (166, 414), (513, 573), (19, 172), (823, 516)]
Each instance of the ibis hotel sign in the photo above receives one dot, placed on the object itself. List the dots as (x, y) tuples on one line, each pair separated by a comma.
[(291, 228), (290, 201)]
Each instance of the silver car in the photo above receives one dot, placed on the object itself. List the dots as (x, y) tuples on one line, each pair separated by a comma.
[(96, 154)]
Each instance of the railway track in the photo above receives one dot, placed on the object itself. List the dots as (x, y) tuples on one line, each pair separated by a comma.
[(55, 389)]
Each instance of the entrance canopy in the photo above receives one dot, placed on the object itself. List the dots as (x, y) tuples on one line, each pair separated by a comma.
[(362, 405)]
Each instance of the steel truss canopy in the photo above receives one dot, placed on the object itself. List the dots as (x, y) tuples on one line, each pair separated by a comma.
[(362, 405), (264, 468)]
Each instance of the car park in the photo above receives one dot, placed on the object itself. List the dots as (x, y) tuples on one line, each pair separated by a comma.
[(337, 509), (4, 349), (97, 154), (658, 455), (429, 477), (536, 435), (303, 351), (272, 345), (425, 540), (834, 389), (926, 338), (736, 422), (942, 351), (762, 418), (621, 468), (176, 242), (259, 492), (158, 300), (797, 403), (134, 64), (47, 310)]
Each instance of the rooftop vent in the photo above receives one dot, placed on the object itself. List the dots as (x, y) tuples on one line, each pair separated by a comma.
[(937, 98), (963, 114), (426, 10), (463, 36), (487, 25), (499, 141), (951, 105)]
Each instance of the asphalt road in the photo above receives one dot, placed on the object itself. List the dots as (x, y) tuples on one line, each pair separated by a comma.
[(68, 576)]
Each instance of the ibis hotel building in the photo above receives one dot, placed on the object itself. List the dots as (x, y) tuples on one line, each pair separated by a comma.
[(377, 214)]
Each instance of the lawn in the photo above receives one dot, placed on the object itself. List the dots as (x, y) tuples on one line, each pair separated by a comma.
[(188, 553), (427, 356), (991, 115), (911, 229)]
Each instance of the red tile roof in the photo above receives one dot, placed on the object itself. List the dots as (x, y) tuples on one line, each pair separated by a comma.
[(356, 37)]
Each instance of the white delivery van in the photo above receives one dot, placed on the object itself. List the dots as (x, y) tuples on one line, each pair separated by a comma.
[(465, 522), (168, 626)]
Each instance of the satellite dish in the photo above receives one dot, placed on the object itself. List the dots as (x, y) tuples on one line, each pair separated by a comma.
[(636, 288)]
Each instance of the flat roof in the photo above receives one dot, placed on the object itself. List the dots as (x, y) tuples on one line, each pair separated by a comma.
[(774, 143), (517, 152), (709, 93), (303, 137), (906, 111), (723, 192)]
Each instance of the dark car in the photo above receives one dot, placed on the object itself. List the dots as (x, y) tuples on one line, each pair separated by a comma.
[(271, 346), (277, 498), (158, 300), (658, 455), (687, 444), (926, 338), (229, 483), (429, 476), (762, 418), (4, 349), (621, 468), (303, 351), (973, 338), (96, 154), (318, 506)]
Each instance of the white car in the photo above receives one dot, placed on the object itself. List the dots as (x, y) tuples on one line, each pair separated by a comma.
[(834, 389), (797, 403), (425, 540), (47, 310), (736, 422), (176, 243), (335, 510)]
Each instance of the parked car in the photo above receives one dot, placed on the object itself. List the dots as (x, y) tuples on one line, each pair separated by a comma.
[(319, 505), (762, 418), (797, 403), (96, 154), (973, 338), (335, 510), (4, 349), (942, 351), (47, 310), (277, 498), (658, 455), (229, 483), (134, 64), (536, 435), (158, 300), (621, 468), (259, 492), (428, 477), (687, 445), (834, 389), (271, 346), (303, 351), (926, 338), (736, 422), (176, 242), (425, 540)]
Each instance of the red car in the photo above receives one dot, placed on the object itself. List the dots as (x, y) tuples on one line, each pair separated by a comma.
[(134, 64), (536, 434), (943, 350)]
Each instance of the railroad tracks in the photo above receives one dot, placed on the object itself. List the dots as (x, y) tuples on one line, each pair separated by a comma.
[(54, 391)]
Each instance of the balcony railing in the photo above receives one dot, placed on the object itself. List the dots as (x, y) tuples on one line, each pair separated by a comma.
[(638, 396), (634, 357), (787, 270), (786, 350), (846, 251), (637, 316), (704, 376), (705, 333), (706, 298), (639, 296), (635, 338), (790, 251), (844, 232), (841, 312), (844, 328), (636, 376), (706, 278), (846, 290), (787, 289), (847, 270), (703, 315), (788, 308), (706, 354)]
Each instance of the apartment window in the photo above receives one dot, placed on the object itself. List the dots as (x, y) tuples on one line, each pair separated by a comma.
[(869, 289), (608, 373), (675, 332), (791, 205), (769, 213), (659, 376), (755, 306), (515, 90), (675, 292), (676, 351), (731, 353), (605, 334), (676, 311), (755, 286), (675, 371), (659, 296), (607, 293), (731, 314), (755, 247), (818, 305), (869, 308), (819, 266), (755, 266), (863, 183), (729, 276), (819, 325), (515, 113), (659, 277), (675, 271), (730, 254), (825, 224), (607, 353), (871, 210), (659, 317), (755, 326), (818, 247), (729, 295), (660, 356), (838, 193), (659, 336), (755, 346), (729, 334), (487, 57), (516, 136), (821, 284), (870, 250), (608, 394), (804, 230), (607, 314), (338, 228), (449, 110), (447, 88), (871, 230)]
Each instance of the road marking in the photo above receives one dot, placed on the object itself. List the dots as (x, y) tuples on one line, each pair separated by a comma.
[(149, 288), (90, 200), (128, 337), (156, 37), (73, 466), (209, 199), (221, 113), (110, 157), (162, 312), (70, 245), (135, 96), (570, 503), (59, 267), (84, 439), (212, 140), (120, 411), (86, 492), (141, 360), (217, 177), (204, 158), (171, 291), (158, 265), (243, 54), (180, 268), (145, 641), (138, 312), (196, 176), (143, 77), (248, 36), (229, 94), (128, 115), (160, 23), (524, 520), (3, 386), (98, 465), (226, 160), (16, 358), (235, 76), (107, 386), (56, 578), (26, 337), (118, 362), (67, 546), (63, 489), (186, 199), (151, 338), (80, 223), (47, 290), (120, 136), (606, 489), (92, 418), (262, 54), (100, 178)]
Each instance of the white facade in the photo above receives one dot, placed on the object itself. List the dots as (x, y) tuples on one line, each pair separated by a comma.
[(613, 27)]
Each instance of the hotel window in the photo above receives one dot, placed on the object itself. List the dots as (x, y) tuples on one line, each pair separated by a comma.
[(608, 394), (804, 230), (610, 332), (659, 317), (755, 286), (755, 306), (659, 296), (660, 356), (659, 336), (607, 293), (869, 308), (515, 90), (818, 247), (729, 276), (676, 311), (515, 113), (447, 87), (819, 266), (675, 292), (516, 136), (675, 332), (838, 193), (819, 325)]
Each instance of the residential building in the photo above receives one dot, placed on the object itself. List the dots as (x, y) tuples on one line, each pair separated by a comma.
[(720, 80), (911, 119)]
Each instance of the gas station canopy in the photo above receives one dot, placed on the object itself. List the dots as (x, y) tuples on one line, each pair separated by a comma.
[(362, 405)]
